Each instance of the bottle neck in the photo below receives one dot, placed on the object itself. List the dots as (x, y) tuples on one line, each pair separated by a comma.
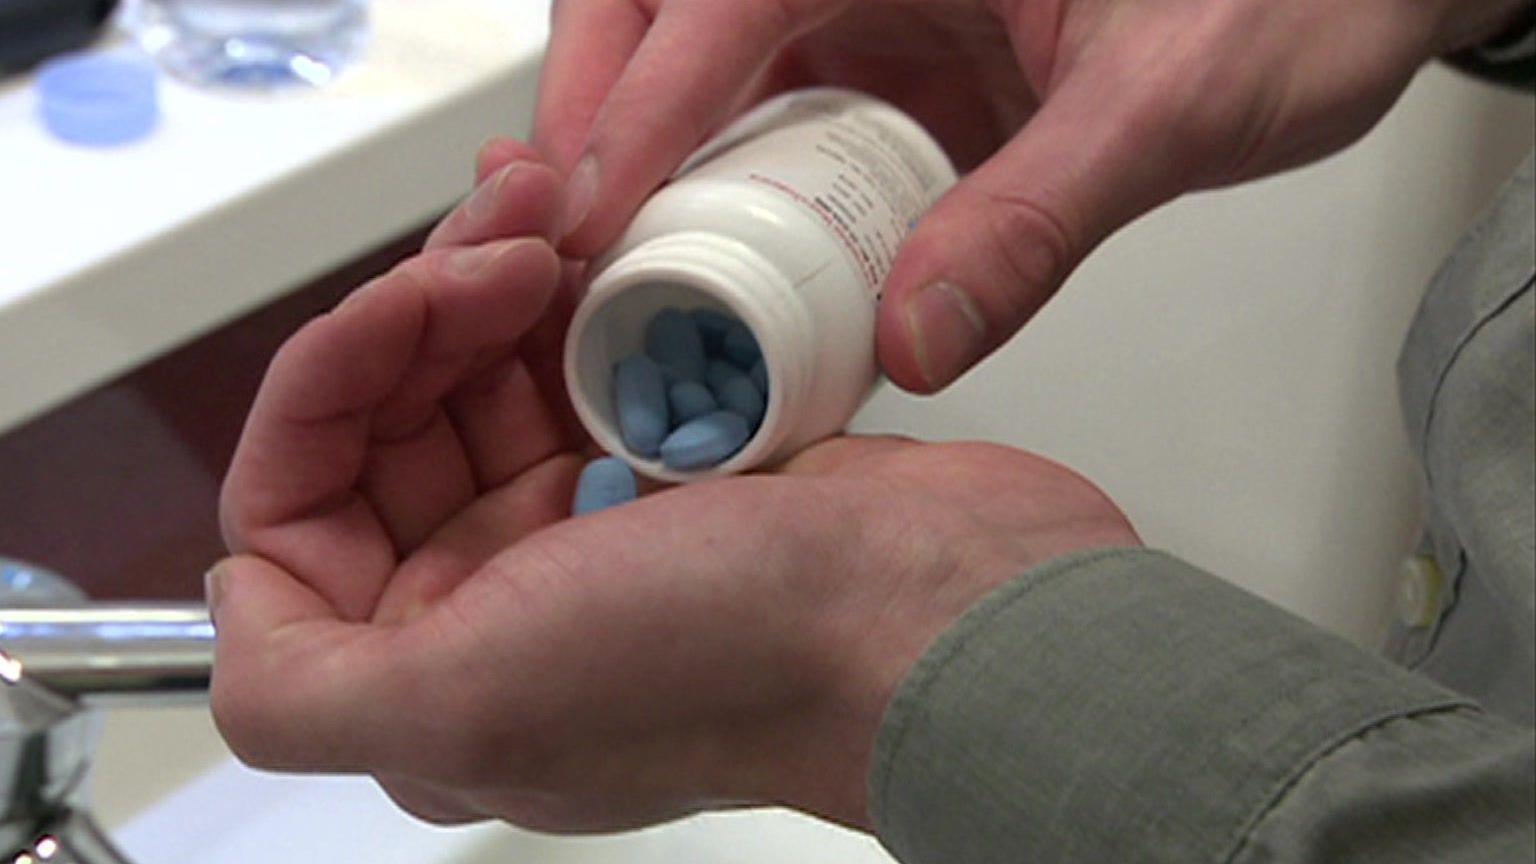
[(689, 270)]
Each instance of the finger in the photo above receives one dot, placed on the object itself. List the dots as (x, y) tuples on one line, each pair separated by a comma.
[(504, 423), (417, 481), (994, 249), (495, 522), (520, 198), (517, 412), (500, 151), (293, 688), (372, 368), (543, 352), (428, 802), (591, 41), (475, 300), (289, 494), (683, 81)]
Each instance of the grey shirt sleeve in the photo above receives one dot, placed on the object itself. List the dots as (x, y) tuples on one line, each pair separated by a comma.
[(1452, 786), (1126, 707)]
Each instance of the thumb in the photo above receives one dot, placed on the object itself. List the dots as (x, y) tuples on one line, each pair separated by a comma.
[(500, 151), (288, 674), (998, 245), (250, 598)]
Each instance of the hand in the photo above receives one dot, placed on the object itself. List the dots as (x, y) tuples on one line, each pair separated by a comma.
[(1079, 115), (427, 405), (730, 642)]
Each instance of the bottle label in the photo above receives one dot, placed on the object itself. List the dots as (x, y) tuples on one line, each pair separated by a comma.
[(847, 161)]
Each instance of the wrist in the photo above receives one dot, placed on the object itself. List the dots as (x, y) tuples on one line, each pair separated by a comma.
[(879, 651), (908, 539)]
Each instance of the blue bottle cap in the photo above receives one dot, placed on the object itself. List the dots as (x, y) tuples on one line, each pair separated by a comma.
[(97, 100)]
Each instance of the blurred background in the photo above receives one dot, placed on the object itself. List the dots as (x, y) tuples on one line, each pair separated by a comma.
[(1224, 368)]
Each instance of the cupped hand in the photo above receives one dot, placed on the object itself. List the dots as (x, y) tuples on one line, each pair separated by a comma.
[(1077, 115), (407, 600), (429, 404)]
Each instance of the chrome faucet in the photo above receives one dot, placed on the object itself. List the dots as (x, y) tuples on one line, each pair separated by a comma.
[(63, 659)]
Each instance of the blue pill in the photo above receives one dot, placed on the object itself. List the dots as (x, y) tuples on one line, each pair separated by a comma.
[(640, 400), (705, 442), (604, 483), (690, 399), (712, 326), (718, 372), (760, 377), (740, 346), (672, 340), (740, 397)]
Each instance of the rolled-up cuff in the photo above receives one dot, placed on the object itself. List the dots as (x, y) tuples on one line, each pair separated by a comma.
[(1118, 706)]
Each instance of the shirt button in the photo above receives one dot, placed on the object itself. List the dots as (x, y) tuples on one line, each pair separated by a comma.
[(1419, 587)]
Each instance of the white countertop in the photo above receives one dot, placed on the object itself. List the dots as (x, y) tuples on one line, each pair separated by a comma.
[(110, 257)]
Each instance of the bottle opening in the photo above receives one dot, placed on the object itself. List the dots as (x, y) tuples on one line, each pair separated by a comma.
[(699, 396)]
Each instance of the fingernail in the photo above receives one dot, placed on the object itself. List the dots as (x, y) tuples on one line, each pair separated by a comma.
[(482, 204), (471, 261), (358, 295), (947, 330), (580, 195), (485, 148), (213, 587)]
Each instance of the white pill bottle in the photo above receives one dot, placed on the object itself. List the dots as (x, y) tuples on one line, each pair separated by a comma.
[(789, 221)]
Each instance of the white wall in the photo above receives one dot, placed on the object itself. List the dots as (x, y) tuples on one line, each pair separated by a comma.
[(1224, 368)]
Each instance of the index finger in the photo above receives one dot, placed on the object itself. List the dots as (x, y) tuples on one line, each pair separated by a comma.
[(591, 41), (696, 61)]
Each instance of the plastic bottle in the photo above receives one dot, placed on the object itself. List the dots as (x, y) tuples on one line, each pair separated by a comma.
[(789, 221), (257, 44)]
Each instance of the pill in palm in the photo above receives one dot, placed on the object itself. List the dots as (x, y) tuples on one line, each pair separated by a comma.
[(604, 483), (740, 346), (712, 326), (739, 396), (640, 401), (672, 340), (690, 399), (705, 442)]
